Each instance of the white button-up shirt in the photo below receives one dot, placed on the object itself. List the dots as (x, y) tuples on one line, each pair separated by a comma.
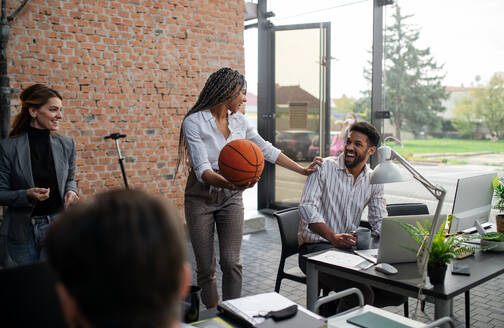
[(204, 140), (331, 196)]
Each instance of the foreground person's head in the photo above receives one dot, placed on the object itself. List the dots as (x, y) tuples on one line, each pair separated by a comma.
[(120, 262)]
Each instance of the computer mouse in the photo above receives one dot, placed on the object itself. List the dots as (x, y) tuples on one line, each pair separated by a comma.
[(385, 268)]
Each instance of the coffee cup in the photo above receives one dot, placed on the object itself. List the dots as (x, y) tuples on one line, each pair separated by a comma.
[(363, 236)]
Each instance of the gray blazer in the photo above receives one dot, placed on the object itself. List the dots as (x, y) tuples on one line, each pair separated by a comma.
[(16, 177)]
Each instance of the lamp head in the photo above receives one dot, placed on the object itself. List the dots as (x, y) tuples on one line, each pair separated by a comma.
[(386, 171)]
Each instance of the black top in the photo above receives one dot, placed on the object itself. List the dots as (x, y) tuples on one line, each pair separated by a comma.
[(44, 173)]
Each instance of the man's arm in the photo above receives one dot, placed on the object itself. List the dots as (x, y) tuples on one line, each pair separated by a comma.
[(342, 240), (377, 207)]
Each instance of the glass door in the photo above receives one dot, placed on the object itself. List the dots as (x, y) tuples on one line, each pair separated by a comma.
[(301, 104)]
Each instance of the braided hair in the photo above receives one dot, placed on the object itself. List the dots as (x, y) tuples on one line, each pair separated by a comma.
[(221, 87)]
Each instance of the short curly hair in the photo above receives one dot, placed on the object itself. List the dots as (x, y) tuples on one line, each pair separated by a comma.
[(369, 130)]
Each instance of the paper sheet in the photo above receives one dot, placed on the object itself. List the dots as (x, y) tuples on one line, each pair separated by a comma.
[(343, 259)]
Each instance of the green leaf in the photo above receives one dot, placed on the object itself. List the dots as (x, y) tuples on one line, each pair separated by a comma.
[(495, 182), (444, 248)]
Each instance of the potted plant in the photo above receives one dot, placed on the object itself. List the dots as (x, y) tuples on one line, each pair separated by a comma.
[(498, 186), (444, 248)]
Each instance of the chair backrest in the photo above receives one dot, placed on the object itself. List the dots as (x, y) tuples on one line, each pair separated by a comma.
[(407, 209), (29, 298), (288, 221)]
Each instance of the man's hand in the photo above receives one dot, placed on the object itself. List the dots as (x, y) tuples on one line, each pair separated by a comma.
[(70, 197), (39, 194), (343, 240)]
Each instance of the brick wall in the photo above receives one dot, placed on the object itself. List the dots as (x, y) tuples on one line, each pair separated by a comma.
[(129, 66)]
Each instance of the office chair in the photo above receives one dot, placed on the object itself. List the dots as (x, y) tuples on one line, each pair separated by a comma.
[(407, 209), (288, 221), (401, 209), (29, 298)]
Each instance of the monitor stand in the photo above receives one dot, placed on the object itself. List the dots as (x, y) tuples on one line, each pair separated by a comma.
[(479, 227)]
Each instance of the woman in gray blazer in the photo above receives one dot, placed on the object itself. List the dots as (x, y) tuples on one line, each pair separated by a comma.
[(37, 169)]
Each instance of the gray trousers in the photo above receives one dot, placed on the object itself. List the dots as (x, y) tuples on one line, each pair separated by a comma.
[(205, 209)]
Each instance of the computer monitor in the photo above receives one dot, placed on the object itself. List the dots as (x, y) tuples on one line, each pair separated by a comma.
[(473, 201)]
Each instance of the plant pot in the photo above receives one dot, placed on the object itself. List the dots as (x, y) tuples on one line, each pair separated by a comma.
[(436, 273), (499, 221)]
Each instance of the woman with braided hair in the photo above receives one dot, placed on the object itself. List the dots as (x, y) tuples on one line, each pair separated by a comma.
[(210, 199)]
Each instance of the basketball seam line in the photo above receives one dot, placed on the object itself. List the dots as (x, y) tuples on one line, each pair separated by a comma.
[(236, 150), (239, 170), (253, 149)]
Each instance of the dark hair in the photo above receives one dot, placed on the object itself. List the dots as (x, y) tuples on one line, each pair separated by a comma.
[(121, 257), (36, 96), (220, 87), (369, 130)]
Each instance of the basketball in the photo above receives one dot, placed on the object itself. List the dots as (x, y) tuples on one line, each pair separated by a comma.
[(241, 161)]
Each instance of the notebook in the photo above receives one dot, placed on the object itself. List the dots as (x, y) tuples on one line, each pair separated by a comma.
[(373, 320)]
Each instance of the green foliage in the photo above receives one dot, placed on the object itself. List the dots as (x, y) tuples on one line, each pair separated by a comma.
[(485, 103), (490, 104), (344, 104), (499, 193), (465, 116), (362, 106), (444, 248), (447, 146), (413, 80), (493, 236)]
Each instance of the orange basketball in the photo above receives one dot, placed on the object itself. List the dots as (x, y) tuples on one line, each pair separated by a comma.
[(241, 161)]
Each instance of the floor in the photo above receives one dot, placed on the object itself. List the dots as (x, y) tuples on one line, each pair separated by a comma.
[(261, 254)]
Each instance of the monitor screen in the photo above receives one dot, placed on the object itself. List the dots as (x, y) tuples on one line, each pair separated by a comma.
[(473, 201)]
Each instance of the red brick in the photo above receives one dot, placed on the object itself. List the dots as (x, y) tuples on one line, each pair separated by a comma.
[(117, 75)]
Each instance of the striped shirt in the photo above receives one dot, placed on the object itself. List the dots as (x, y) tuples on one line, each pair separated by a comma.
[(330, 196), (205, 140)]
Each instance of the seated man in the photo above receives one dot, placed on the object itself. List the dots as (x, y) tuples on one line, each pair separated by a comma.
[(120, 262), (332, 203)]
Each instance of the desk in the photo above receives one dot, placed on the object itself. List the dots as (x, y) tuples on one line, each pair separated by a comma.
[(334, 321), (483, 267)]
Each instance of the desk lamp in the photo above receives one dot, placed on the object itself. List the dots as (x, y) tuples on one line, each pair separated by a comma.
[(387, 172)]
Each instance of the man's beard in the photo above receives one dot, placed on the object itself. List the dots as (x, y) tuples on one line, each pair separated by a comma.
[(359, 158)]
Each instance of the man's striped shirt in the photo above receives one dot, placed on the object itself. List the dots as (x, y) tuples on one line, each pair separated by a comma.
[(331, 196)]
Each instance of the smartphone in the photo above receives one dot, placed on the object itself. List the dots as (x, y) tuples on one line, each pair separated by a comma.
[(461, 268)]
